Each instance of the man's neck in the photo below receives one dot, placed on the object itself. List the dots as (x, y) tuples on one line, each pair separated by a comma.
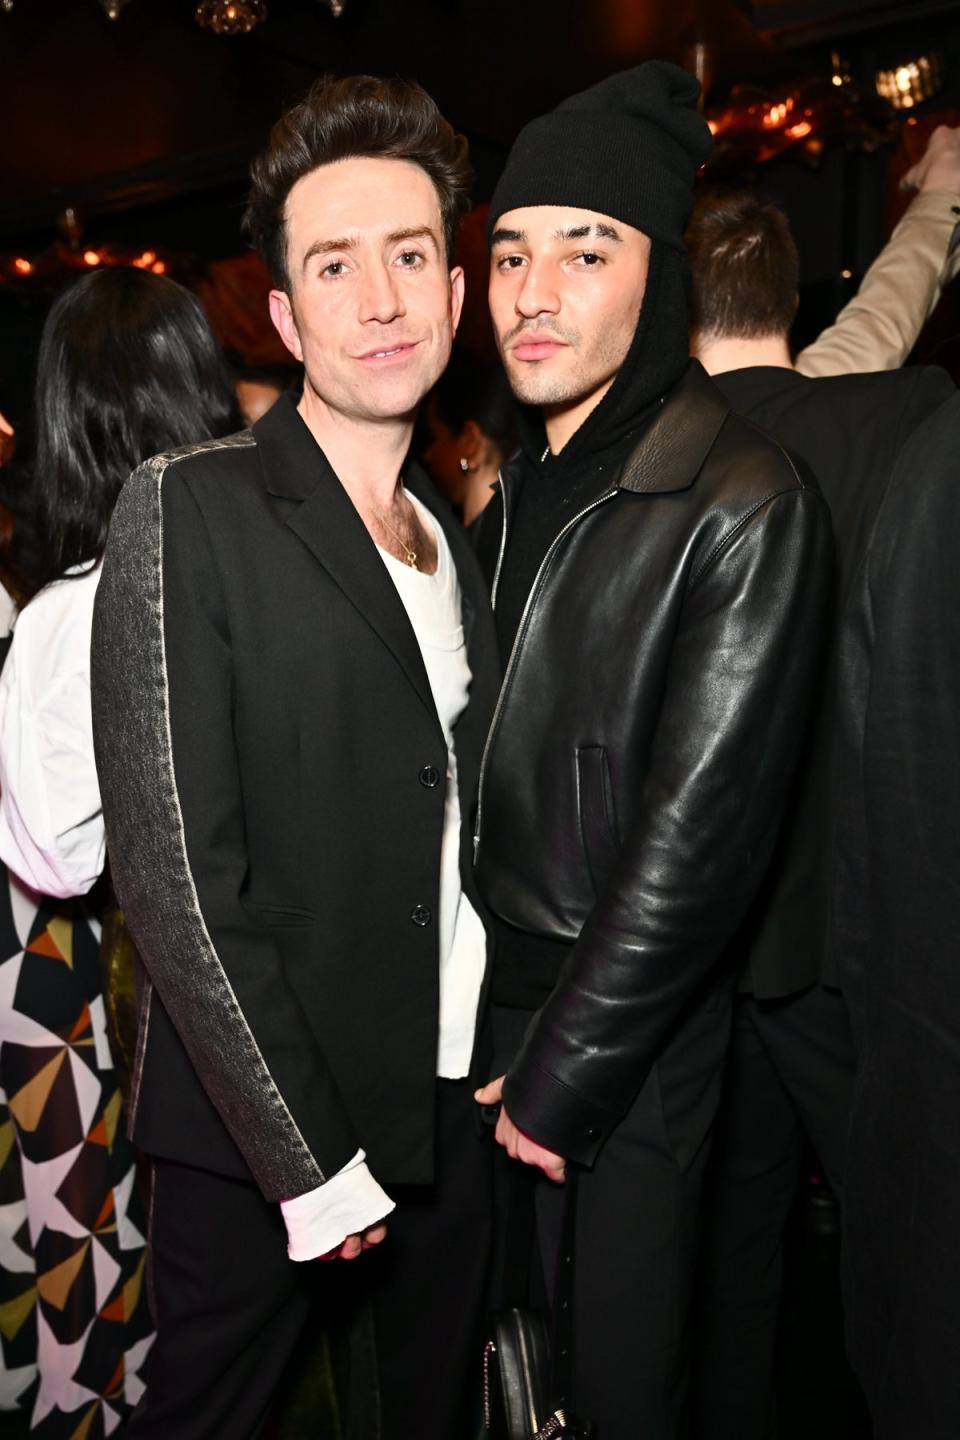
[(720, 353), (563, 422), (367, 456)]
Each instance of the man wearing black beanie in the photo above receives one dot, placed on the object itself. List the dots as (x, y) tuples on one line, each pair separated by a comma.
[(659, 573)]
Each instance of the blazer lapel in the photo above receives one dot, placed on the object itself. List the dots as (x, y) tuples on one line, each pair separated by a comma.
[(295, 468)]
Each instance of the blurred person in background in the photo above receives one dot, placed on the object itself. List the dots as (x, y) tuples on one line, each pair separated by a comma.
[(127, 367), (791, 1065), (471, 429), (259, 387), (897, 921)]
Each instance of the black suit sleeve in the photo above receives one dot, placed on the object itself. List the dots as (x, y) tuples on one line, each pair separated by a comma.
[(162, 682), (733, 716)]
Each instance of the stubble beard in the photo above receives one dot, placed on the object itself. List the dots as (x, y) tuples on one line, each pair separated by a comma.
[(533, 385)]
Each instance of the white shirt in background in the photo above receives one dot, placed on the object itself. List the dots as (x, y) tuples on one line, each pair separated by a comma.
[(51, 823)]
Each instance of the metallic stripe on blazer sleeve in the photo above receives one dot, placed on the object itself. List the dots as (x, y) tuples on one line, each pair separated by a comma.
[(151, 862)]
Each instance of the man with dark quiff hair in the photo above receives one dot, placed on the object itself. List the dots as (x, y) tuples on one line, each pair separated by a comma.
[(296, 635), (354, 115)]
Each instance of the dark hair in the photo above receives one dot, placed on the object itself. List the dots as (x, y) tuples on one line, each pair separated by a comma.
[(128, 367), (470, 389), (343, 117), (744, 266)]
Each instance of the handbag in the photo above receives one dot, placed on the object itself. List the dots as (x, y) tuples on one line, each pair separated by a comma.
[(526, 1379), (516, 1374)]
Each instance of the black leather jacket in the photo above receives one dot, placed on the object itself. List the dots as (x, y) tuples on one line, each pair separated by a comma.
[(651, 713)]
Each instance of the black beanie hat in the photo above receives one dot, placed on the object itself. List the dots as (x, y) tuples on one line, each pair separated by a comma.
[(629, 147)]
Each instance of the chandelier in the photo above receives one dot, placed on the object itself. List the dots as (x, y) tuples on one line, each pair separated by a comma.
[(223, 17)]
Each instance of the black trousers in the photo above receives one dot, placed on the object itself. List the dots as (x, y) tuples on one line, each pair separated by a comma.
[(230, 1306), (789, 1074), (637, 1225)]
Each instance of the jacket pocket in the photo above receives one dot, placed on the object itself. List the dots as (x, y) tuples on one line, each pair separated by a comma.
[(282, 917), (597, 813)]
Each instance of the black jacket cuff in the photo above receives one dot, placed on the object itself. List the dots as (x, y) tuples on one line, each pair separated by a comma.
[(554, 1115)]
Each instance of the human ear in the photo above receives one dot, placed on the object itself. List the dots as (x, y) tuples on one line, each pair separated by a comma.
[(281, 313), (456, 295)]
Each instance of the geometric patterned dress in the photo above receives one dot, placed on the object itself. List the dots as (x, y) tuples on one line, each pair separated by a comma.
[(75, 1326)]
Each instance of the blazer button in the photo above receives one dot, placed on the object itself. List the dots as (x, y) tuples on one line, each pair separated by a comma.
[(593, 1133), (430, 777), (420, 915)]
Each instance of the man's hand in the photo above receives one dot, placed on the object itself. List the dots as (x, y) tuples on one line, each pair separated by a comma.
[(355, 1244), (517, 1145), (939, 166)]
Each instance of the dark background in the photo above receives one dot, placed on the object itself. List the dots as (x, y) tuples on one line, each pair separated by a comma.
[(145, 125)]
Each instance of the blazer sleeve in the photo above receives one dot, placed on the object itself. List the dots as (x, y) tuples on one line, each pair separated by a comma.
[(741, 676), (878, 328), (162, 692)]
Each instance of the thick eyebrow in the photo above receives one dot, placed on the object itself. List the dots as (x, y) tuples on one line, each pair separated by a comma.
[(325, 247), (583, 232), (350, 242), (417, 232), (575, 232)]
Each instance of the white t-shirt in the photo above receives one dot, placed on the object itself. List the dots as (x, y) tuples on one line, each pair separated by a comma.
[(433, 605)]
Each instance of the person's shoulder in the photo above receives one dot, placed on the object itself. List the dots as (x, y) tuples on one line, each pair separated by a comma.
[(61, 606), (932, 447), (209, 462), (753, 466), (882, 386), (211, 472)]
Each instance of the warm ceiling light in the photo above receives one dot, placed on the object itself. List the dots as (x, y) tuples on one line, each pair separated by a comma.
[(230, 17), (909, 84), (22, 267), (91, 257)]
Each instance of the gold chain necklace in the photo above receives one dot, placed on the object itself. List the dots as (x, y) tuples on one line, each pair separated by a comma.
[(410, 556)]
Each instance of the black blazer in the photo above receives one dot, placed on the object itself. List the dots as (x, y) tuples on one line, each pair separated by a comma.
[(272, 769), (897, 900), (850, 430)]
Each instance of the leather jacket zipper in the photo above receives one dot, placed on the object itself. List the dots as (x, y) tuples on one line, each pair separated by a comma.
[(503, 543), (521, 630)]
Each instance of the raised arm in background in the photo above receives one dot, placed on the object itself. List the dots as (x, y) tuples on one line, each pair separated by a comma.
[(878, 328)]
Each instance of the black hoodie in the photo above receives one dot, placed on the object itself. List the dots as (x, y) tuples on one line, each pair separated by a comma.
[(547, 490)]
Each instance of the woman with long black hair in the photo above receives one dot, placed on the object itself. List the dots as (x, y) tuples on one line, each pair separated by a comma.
[(127, 368)]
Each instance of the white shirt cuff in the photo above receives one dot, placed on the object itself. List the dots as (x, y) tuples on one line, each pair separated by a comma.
[(346, 1204)]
